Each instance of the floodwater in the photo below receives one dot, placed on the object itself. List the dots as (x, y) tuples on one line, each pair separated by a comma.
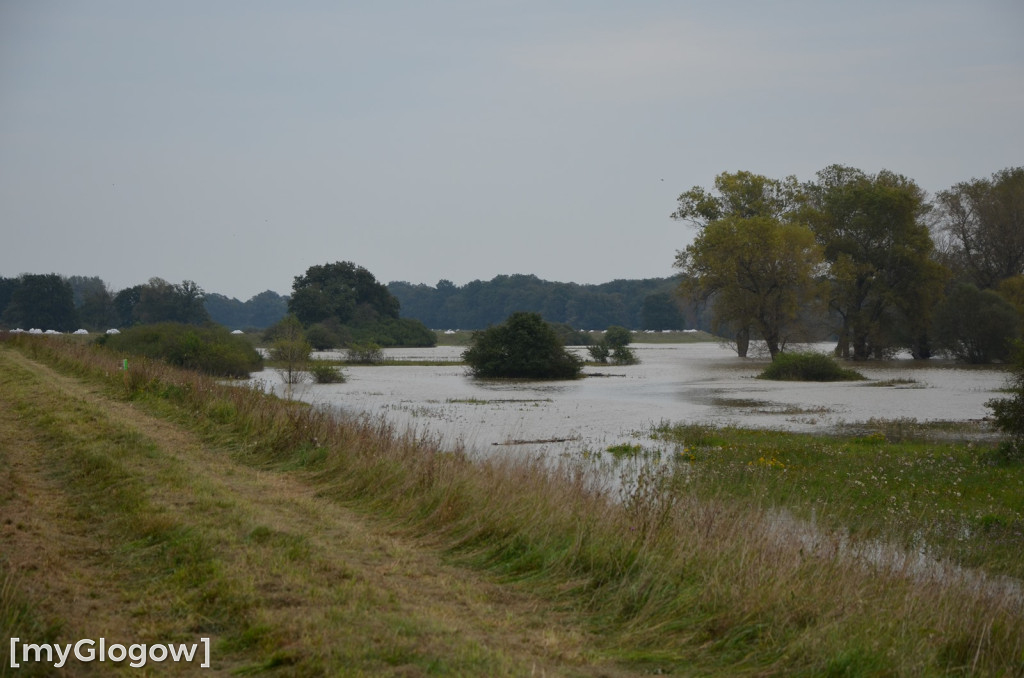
[(676, 383)]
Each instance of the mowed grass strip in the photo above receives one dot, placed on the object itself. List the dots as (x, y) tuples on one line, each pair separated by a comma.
[(198, 545), (661, 577)]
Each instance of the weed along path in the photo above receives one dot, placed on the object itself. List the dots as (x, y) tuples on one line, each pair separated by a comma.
[(123, 525)]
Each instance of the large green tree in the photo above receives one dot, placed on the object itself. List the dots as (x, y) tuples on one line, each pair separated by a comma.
[(984, 221), (760, 273), (883, 278), (342, 291), (43, 301), (739, 194), (751, 258), (160, 301), (976, 326), (94, 302)]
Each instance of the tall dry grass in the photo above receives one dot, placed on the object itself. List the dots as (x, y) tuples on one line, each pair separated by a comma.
[(660, 577)]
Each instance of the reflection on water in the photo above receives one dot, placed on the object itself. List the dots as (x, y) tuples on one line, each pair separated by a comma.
[(677, 383)]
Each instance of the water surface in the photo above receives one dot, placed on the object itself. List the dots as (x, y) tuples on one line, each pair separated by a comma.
[(678, 383)]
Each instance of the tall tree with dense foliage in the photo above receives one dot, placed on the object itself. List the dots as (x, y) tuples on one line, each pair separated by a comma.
[(751, 258), (760, 272), (94, 302), (739, 194), (976, 326), (883, 278), (523, 347), (43, 301), (160, 301), (984, 221), (348, 298), (341, 290)]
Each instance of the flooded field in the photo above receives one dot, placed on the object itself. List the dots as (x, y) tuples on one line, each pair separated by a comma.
[(678, 383)]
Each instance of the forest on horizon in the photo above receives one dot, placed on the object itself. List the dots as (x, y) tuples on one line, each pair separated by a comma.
[(638, 304)]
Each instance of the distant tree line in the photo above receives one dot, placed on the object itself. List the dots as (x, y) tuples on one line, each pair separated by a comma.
[(55, 302), (259, 312), (866, 258), (638, 304), (64, 303)]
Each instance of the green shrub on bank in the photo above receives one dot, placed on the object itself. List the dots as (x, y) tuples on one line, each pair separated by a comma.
[(807, 366), (211, 349)]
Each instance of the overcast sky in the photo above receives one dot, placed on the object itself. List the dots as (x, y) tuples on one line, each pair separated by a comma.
[(237, 143)]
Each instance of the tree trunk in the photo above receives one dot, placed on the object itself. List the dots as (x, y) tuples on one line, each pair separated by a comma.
[(742, 342)]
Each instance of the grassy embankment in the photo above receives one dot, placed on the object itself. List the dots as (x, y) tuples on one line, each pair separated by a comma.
[(694, 570)]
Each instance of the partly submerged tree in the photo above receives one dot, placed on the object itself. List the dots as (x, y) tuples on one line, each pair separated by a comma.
[(759, 272), (615, 345), (524, 346), (976, 326), (290, 349), (744, 204), (883, 278)]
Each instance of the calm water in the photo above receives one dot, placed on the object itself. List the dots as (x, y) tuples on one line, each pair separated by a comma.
[(676, 383)]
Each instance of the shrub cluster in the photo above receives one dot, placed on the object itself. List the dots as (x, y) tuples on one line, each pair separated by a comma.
[(807, 366), (212, 349), (364, 354), (614, 345), (326, 374), (523, 347)]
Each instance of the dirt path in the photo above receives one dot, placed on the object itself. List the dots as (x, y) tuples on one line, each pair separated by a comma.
[(326, 588)]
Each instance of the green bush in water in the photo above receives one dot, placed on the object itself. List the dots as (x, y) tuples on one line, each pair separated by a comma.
[(807, 366)]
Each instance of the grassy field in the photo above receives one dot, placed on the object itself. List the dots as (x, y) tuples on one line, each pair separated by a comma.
[(155, 505)]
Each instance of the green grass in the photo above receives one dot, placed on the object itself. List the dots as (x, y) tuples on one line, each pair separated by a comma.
[(737, 557), (90, 458), (941, 498)]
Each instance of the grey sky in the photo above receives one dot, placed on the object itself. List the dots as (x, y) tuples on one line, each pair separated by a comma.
[(236, 143)]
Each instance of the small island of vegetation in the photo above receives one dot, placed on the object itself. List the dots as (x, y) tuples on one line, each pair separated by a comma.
[(523, 347)]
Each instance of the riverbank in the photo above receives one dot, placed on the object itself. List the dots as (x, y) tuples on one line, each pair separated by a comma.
[(164, 504)]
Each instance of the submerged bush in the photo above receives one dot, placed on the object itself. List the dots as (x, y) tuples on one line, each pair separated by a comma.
[(624, 355), (614, 345), (523, 347), (212, 349), (325, 374), (599, 352), (364, 354), (807, 366)]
